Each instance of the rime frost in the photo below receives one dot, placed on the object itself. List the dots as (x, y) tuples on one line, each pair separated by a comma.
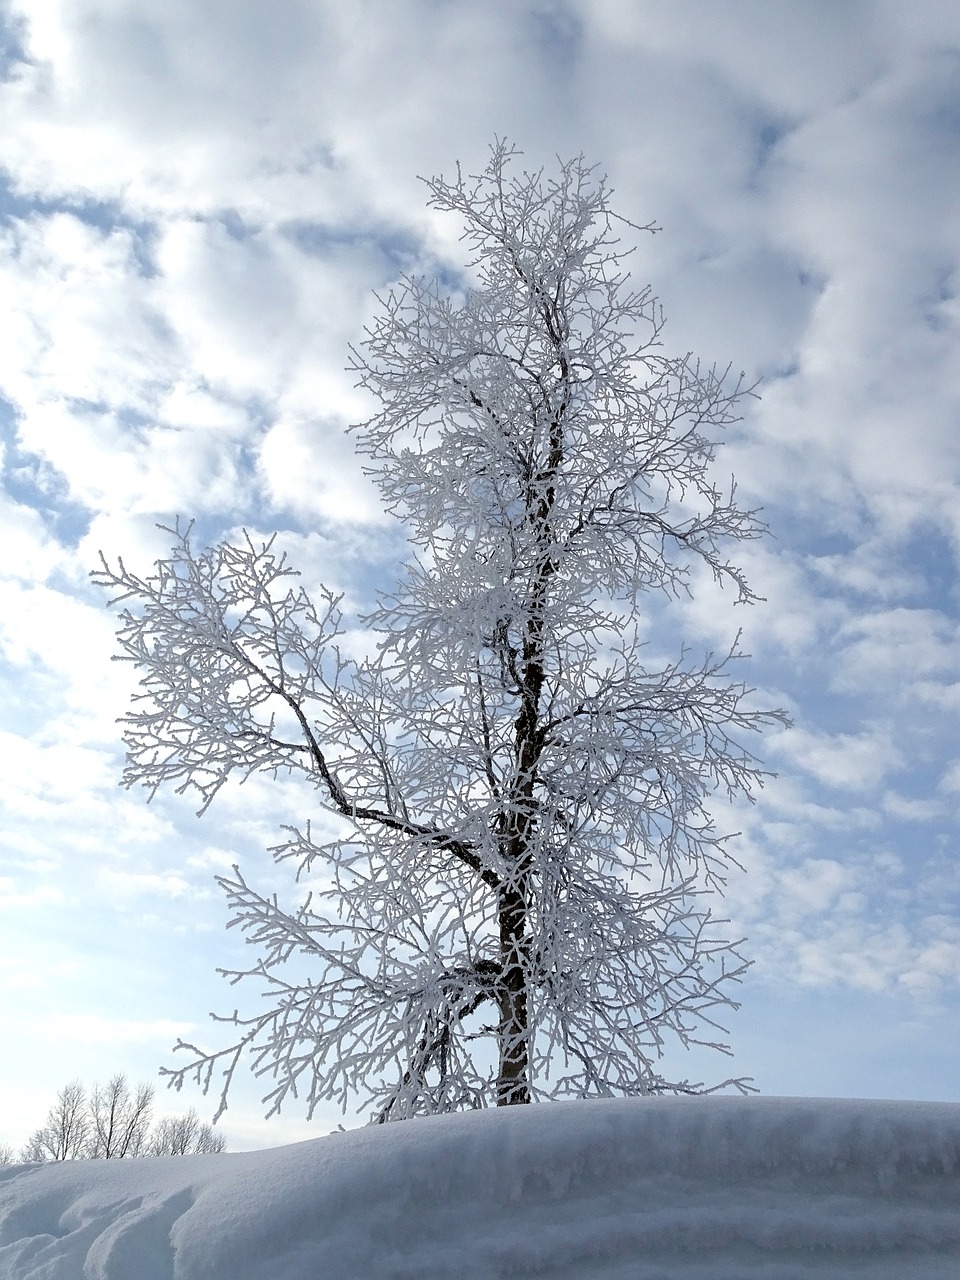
[(516, 908)]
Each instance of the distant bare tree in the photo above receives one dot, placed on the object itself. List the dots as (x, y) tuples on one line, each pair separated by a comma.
[(185, 1136), (111, 1123), (120, 1119), (65, 1134), (6, 1154)]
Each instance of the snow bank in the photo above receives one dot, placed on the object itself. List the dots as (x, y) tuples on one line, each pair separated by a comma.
[(692, 1188)]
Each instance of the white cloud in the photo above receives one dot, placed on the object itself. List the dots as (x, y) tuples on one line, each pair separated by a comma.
[(845, 761), (124, 884), (855, 956), (313, 470), (877, 386), (889, 649), (792, 619), (29, 553), (79, 325), (40, 896), (872, 569), (937, 964), (912, 809), (90, 1028), (819, 883), (797, 56)]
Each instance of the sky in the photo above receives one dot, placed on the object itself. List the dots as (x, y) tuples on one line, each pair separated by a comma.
[(198, 201)]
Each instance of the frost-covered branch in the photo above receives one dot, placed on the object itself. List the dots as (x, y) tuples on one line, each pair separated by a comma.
[(224, 654)]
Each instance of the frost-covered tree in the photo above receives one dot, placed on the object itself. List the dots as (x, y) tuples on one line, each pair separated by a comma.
[(508, 892)]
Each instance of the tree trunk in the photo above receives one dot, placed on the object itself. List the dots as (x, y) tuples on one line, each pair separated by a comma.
[(513, 1079)]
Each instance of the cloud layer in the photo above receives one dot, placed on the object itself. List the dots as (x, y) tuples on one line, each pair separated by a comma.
[(198, 200)]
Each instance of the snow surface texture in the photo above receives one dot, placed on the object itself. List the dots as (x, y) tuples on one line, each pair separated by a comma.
[(637, 1189)]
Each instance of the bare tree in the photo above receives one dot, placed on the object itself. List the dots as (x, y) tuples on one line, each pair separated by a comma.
[(65, 1134), (6, 1153), (509, 901), (120, 1120), (185, 1136), (113, 1123)]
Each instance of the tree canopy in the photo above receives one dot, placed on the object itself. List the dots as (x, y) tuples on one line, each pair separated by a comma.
[(515, 905)]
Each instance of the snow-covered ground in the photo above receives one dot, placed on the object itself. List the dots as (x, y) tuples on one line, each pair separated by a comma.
[(713, 1188)]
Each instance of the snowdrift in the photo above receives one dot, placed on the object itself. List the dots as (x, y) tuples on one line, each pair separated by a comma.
[(698, 1188)]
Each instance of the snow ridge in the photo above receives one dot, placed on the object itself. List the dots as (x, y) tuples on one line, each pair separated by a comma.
[(637, 1189)]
